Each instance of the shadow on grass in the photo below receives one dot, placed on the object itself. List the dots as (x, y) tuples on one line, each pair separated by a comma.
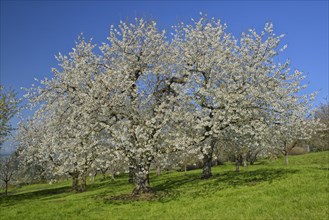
[(193, 185), (163, 189), (44, 194), (252, 177), (40, 194), (106, 183), (174, 187)]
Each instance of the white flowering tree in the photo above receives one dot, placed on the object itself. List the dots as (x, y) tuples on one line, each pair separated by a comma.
[(8, 170), (9, 106), (109, 160), (142, 98), (320, 140), (297, 124), (72, 106), (33, 151), (139, 52), (238, 87), (93, 95)]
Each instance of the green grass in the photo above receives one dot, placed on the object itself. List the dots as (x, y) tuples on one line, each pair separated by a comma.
[(266, 190)]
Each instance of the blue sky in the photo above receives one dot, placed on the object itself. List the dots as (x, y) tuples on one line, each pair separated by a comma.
[(33, 32)]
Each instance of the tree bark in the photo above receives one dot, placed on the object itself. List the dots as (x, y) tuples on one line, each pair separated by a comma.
[(207, 162), (75, 182), (206, 170), (252, 158), (83, 185), (158, 170), (237, 165), (141, 182), (131, 175), (6, 187), (239, 161), (286, 157)]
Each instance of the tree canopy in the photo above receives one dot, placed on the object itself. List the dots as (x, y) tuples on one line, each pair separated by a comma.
[(145, 98), (8, 108)]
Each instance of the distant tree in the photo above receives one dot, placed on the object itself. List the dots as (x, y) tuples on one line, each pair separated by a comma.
[(8, 168), (34, 153), (320, 140), (297, 123), (8, 108)]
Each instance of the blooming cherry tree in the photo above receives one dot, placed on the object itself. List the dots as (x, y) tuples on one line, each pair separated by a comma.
[(143, 99)]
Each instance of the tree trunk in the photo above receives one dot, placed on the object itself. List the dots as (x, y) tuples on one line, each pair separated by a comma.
[(252, 159), (158, 170), (286, 158), (83, 185), (206, 170), (207, 160), (131, 175), (237, 164), (185, 169), (141, 182), (6, 187), (75, 182)]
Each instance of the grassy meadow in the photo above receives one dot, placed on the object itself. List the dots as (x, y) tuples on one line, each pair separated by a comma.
[(266, 190)]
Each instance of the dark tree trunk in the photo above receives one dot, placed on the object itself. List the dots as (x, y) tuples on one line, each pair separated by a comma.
[(207, 162), (83, 185), (75, 182), (6, 187), (185, 169), (237, 165), (206, 170), (238, 162), (286, 157), (141, 183), (252, 158), (131, 175), (141, 174)]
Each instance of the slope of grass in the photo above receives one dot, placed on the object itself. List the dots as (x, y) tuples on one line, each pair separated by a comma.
[(267, 190)]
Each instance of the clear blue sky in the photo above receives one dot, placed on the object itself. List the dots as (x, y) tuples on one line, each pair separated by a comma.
[(33, 32)]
